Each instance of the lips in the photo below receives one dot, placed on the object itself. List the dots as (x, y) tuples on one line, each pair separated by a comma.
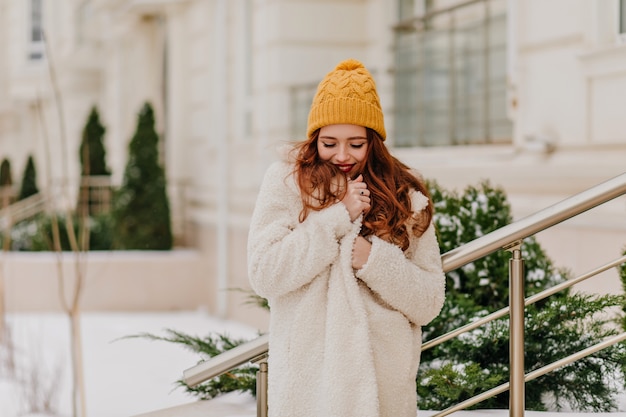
[(344, 167)]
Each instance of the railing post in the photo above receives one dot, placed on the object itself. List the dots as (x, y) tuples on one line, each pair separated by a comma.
[(516, 330), (261, 386)]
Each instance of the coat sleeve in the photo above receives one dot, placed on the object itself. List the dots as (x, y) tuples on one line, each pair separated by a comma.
[(284, 254), (415, 286)]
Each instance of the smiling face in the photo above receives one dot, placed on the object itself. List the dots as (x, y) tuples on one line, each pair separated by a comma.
[(343, 145)]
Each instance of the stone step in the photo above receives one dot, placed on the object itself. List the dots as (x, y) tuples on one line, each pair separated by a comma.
[(229, 405), (244, 405)]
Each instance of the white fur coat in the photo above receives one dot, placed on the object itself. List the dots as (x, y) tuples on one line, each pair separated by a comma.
[(341, 343)]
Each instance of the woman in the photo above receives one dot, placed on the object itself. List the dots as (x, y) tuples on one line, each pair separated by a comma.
[(342, 245)]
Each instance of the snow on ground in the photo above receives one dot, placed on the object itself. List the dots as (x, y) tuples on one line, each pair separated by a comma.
[(122, 377), (125, 377)]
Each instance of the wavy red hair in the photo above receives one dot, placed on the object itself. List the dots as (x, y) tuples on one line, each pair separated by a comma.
[(390, 183)]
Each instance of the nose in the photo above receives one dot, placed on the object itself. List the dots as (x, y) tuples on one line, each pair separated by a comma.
[(342, 154)]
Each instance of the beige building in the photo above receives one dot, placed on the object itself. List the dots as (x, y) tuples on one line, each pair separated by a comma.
[(526, 93)]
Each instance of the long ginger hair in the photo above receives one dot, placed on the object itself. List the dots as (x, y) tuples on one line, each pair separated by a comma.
[(390, 183)]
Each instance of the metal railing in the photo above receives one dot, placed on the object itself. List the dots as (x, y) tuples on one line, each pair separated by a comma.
[(96, 192), (509, 238), (228, 360), (23, 209)]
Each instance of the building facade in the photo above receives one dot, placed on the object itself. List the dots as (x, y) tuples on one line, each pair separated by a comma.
[(527, 94)]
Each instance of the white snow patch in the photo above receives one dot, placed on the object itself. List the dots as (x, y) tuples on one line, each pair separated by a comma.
[(123, 377)]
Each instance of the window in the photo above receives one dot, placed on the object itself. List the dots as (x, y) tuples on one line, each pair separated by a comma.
[(450, 75), (622, 17), (406, 9), (36, 45), (301, 98), (84, 21)]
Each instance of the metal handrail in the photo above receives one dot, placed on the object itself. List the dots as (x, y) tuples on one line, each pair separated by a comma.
[(23, 209), (451, 260), (528, 301), (509, 238), (530, 225), (534, 374), (247, 352), (226, 361)]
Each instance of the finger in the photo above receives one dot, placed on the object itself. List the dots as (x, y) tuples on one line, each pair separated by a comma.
[(355, 186), (359, 185), (358, 179)]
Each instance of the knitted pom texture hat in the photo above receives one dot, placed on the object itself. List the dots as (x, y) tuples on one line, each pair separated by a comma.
[(347, 95)]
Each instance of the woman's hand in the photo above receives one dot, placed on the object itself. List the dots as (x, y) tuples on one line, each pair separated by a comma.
[(357, 198), (360, 252)]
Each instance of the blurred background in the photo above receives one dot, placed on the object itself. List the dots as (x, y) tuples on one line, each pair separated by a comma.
[(528, 95)]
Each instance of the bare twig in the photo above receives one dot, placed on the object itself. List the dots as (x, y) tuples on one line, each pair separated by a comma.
[(40, 387), (7, 353), (72, 308), (56, 238)]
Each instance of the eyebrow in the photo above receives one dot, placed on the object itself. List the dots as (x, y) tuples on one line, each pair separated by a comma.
[(350, 138)]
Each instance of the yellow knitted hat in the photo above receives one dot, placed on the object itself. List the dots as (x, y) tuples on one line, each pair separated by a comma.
[(347, 95)]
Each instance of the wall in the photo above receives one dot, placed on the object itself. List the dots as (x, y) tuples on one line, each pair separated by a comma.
[(114, 281), (223, 104)]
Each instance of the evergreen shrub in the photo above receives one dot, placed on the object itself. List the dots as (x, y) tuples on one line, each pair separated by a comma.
[(141, 211), (479, 360), (29, 180), (35, 234), (242, 379), (554, 328), (92, 153), (6, 179), (6, 184)]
